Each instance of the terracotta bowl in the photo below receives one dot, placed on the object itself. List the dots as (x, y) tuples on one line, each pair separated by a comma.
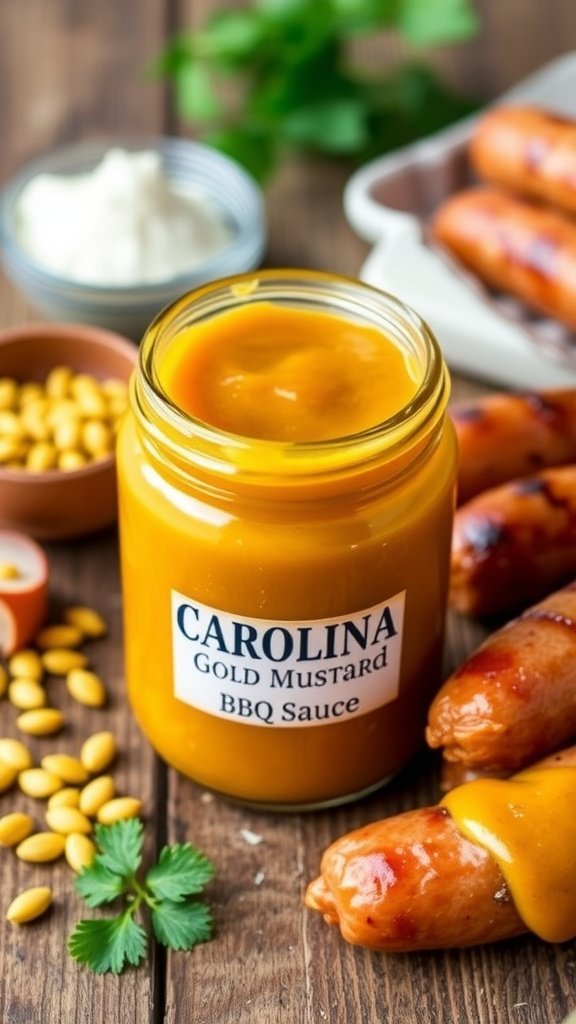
[(56, 505)]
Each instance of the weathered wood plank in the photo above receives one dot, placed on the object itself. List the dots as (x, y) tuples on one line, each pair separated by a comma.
[(38, 981), (69, 71)]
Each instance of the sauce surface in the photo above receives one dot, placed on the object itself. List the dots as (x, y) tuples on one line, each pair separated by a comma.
[(281, 373), (527, 823)]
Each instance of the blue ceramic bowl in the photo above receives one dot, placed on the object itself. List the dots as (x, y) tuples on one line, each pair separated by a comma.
[(128, 309)]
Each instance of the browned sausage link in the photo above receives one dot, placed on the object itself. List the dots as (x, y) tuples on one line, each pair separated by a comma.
[(515, 543), (503, 436), (530, 151), (413, 882), (514, 699), (514, 246)]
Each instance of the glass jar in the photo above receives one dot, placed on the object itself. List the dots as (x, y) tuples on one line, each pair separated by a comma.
[(285, 603)]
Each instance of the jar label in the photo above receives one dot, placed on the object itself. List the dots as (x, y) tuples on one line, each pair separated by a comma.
[(284, 673)]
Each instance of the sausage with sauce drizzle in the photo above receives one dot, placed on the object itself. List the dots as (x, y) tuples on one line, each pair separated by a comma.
[(514, 246), (514, 699), (503, 436), (415, 882)]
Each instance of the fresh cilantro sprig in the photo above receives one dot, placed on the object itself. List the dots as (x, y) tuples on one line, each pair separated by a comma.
[(181, 872), (278, 76)]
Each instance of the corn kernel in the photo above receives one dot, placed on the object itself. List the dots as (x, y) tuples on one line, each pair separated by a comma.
[(67, 435), (87, 620), (68, 819), (41, 457), (39, 783), (61, 660), (14, 828), (96, 793), (67, 797), (69, 769), (11, 448), (26, 664), (26, 694), (41, 847), (118, 809), (15, 754), (98, 751), (79, 851), (57, 384), (70, 460), (11, 425), (58, 636), (29, 905), (41, 721), (86, 687)]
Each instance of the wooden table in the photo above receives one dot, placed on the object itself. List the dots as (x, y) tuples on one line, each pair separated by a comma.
[(69, 70)]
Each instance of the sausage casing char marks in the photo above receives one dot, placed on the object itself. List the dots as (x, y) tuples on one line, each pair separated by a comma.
[(528, 150), (515, 543), (514, 699), (503, 436), (415, 882), (514, 246)]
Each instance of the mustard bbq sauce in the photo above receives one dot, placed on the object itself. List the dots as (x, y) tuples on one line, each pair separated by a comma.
[(286, 479), (287, 374)]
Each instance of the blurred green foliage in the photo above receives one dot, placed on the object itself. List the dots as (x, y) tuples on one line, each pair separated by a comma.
[(294, 86)]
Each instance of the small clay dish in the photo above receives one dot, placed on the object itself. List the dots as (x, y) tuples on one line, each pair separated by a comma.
[(57, 504)]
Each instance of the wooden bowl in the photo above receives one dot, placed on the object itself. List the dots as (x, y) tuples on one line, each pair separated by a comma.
[(56, 505)]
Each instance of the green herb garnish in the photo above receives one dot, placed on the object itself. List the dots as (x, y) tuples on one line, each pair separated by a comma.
[(297, 85), (181, 872)]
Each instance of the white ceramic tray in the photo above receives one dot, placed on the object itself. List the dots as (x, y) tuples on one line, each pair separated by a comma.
[(387, 202)]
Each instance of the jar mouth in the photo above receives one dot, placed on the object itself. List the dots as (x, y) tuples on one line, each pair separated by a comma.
[(199, 443)]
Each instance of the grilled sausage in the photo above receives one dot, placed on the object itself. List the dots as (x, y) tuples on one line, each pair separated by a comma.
[(530, 151), (415, 882), (503, 436), (514, 699), (515, 543), (514, 246)]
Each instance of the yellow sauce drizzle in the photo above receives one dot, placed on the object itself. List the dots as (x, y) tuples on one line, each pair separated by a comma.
[(528, 824)]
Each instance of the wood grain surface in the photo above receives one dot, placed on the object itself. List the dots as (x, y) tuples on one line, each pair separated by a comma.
[(74, 69)]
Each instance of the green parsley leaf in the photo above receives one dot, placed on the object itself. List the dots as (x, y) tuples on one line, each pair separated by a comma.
[(295, 86), (121, 846), (338, 125), (230, 37), (108, 944), (197, 99), (181, 925), (181, 871), (434, 22), (97, 885)]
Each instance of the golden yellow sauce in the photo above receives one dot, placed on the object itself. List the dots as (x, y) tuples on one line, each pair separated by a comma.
[(286, 374), (528, 824), (284, 538)]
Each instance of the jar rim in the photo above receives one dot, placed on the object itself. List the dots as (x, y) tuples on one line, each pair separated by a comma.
[(189, 438)]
